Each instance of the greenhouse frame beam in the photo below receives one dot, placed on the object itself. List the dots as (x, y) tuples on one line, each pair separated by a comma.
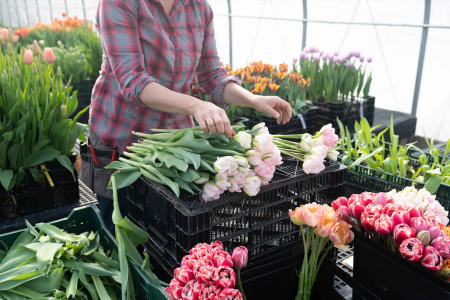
[(230, 33), (305, 23), (423, 46)]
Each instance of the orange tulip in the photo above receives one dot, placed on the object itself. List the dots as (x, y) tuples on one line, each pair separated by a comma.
[(280, 75), (283, 67), (273, 87), (28, 57), (259, 88), (251, 79)]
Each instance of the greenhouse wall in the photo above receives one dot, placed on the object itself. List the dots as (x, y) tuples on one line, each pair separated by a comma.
[(395, 49)]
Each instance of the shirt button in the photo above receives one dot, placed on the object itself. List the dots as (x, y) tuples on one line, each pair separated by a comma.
[(172, 29), (178, 49), (176, 71)]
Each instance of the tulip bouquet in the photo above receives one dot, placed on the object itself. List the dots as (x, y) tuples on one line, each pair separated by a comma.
[(311, 150), (34, 110), (207, 274), (186, 158), (333, 74), (410, 223), (323, 226)]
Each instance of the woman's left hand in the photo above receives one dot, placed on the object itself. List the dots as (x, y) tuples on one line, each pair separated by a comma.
[(274, 106)]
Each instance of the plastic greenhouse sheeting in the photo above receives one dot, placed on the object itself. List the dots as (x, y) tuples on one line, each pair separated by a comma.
[(395, 50)]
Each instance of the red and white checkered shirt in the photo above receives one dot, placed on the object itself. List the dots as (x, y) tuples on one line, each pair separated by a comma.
[(142, 44)]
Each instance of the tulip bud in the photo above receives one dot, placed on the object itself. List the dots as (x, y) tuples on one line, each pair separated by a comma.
[(18, 98), (296, 216), (5, 35), (357, 208), (34, 68), (63, 110), (240, 257), (369, 59), (59, 43), (41, 58), (58, 72), (16, 70), (36, 48), (424, 237), (204, 178), (380, 199), (9, 50), (49, 55), (5, 74), (28, 57), (418, 224), (10, 36), (42, 42), (11, 73)]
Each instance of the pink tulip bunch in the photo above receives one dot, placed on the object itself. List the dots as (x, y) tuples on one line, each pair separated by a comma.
[(207, 274), (411, 230)]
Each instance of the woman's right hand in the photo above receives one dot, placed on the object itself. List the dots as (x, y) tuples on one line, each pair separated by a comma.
[(212, 118)]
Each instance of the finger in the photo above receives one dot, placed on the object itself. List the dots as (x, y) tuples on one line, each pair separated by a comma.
[(219, 124), (203, 125), (287, 112), (273, 113), (280, 118), (226, 124), (211, 125)]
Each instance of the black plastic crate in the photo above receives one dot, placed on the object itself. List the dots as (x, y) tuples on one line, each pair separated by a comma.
[(294, 126), (33, 197), (389, 276), (260, 223), (84, 96), (348, 112)]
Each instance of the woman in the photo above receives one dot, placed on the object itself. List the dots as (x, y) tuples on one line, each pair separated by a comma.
[(152, 50)]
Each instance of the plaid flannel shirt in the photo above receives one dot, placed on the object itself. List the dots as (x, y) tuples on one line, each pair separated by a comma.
[(142, 44)]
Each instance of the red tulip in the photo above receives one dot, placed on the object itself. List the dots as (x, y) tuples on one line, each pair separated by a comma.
[(175, 289), (411, 249), (211, 292), (419, 224), (189, 292), (390, 208), (240, 257), (203, 270), (442, 244), (28, 57), (368, 197), (201, 250), (230, 294), (183, 274), (403, 232), (222, 258), (49, 55), (384, 225), (343, 213), (341, 201), (217, 245), (431, 259), (353, 198), (199, 287), (224, 277), (434, 231), (368, 220), (357, 208), (415, 212), (400, 217), (374, 208), (431, 219), (189, 262)]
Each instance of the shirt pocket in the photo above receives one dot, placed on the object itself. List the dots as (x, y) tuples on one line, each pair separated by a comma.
[(191, 43)]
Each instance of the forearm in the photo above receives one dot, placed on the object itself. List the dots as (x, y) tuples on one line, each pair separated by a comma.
[(157, 97), (237, 95)]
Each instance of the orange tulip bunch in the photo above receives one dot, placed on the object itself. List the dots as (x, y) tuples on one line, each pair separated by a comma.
[(66, 24)]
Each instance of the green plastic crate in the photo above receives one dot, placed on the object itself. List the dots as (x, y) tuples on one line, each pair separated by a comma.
[(89, 219)]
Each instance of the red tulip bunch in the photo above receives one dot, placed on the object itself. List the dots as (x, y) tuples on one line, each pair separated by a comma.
[(417, 235), (207, 274)]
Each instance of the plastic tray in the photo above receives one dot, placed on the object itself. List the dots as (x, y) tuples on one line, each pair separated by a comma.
[(88, 219)]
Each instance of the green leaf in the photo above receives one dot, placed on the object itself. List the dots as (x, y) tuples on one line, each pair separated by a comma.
[(17, 258), (39, 145), (364, 157), (38, 177), (93, 245), (65, 162), (83, 280), (187, 156), (45, 255), (121, 166), (184, 185), (88, 268), (120, 236), (103, 294), (73, 285), (40, 157), (125, 179), (20, 176), (6, 177), (433, 184), (60, 235), (24, 238)]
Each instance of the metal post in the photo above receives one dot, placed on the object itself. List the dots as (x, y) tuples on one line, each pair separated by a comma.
[(423, 45), (9, 14), (38, 13), (230, 31), (18, 16), (67, 10), (26, 12), (51, 10), (305, 23), (84, 9)]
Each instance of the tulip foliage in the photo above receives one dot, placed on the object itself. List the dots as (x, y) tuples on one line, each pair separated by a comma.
[(409, 222), (34, 109), (322, 227), (188, 158), (207, 273)]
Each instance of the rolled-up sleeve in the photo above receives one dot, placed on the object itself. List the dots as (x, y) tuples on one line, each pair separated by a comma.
[(211, 76), (118, 22)]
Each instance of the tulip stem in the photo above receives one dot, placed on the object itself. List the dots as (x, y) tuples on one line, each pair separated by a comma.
[(240, 284)]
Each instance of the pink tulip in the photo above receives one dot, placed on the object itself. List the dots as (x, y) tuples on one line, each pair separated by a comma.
[(175, 289), (400, 217), (341, 235), (431, 259), (368, 221), (353, 198), (201, 250), (296, 216), (343, 213), (341, 201), (5, 35), (431, 219), (28, 57), (313, 164), (224, 277), (411, 249), (240, 257), (368, 197), (49, 55), (415, 212), (189, 291), (189, 262), (442, 244), (183, 274), (222, 258), (357, 208), (418, 224), (384, 225), (230, 294), (211, 292), (294, 60), (380, 199), (390, 208), (434, 231), (403, 232), (374, 208), (273, 156), (217, 245), (312, 214), (329, 138), (204, 269), (327, 222), (198, 289), (369, 59)]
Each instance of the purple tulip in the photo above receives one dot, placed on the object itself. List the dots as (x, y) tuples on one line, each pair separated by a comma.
[(369, 59), (361, 58), (321, 52), (316, 57), (335, 59), (357, 54), (350, 65), (336, 53), (295, 60), (348, 56), (306, 50), (342, 59), (302, 55)]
